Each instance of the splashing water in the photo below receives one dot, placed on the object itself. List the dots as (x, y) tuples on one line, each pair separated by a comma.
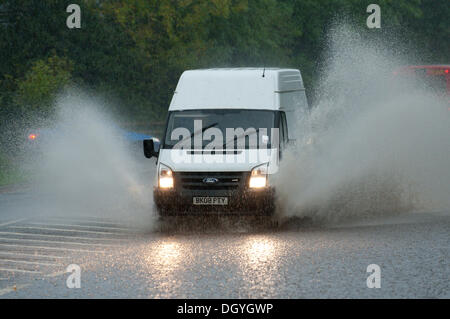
[(377, 148), (380, 144), (86, 168)]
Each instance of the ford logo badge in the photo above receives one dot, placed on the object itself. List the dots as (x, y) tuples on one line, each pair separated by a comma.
[(210, 180)]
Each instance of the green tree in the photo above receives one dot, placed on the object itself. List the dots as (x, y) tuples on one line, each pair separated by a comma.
[(36, 91), (133, 51)]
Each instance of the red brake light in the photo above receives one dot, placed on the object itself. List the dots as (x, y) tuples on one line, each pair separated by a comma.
[(446, 71), (32, 137)]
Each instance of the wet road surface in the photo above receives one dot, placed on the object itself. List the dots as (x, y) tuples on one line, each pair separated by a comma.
[(219, 258)]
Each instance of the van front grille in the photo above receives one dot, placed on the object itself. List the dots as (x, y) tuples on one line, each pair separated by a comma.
[(217, 180)]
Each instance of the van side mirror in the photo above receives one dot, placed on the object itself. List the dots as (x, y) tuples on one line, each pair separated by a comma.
[(151, 149)]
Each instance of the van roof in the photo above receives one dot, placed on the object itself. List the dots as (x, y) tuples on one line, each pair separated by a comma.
[(234, 88)]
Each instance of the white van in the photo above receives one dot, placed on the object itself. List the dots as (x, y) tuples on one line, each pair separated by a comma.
[(224, 137)]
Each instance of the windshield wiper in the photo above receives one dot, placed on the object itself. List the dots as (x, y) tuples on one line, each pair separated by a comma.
[(199, 131)]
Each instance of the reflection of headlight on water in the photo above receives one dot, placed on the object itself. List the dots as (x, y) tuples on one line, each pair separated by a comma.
[(259, 249), (259, 264), (167, 254), (163, 260)]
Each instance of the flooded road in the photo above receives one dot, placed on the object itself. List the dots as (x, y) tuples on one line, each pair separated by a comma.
[(294, 260)]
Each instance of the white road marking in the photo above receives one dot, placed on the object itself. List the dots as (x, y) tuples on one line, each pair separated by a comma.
[(116, 234), (57, 242), (28, 262), (32, 255), (21, 271), (12, 222), (86, 220), (66, 230), (60, 236), (7, 290), (82, 226), (56, 274), (54, 248)]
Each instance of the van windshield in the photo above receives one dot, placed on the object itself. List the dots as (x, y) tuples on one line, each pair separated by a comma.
[(219, 129)]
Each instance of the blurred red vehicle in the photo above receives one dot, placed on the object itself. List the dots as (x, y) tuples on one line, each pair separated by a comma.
[(434, 77)]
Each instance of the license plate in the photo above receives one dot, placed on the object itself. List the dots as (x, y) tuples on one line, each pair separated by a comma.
[(207, 200)]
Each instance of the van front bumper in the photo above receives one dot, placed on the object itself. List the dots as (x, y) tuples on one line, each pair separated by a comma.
[(179, 202)]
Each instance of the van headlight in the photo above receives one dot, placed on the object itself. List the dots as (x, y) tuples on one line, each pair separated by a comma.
[(258, 176), (165, 177)]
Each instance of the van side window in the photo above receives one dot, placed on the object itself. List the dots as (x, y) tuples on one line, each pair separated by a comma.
[(282, 133), (283, 128)]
